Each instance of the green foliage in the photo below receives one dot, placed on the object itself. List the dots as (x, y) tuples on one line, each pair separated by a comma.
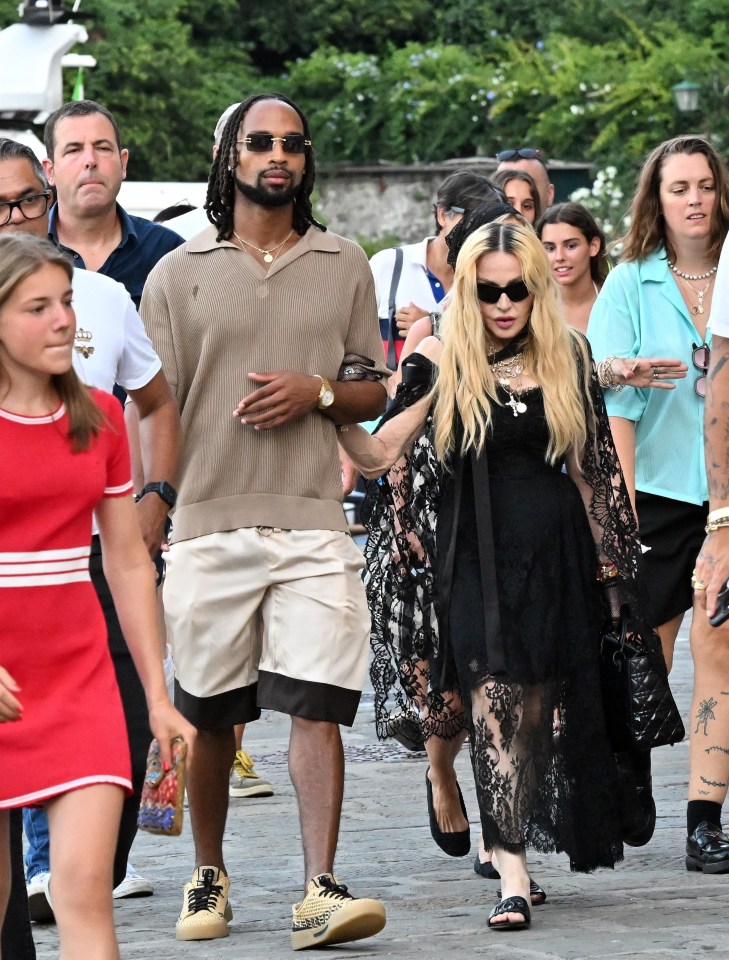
[(408, 80)]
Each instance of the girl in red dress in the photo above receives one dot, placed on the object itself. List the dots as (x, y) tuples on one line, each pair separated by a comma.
[(63, 741)]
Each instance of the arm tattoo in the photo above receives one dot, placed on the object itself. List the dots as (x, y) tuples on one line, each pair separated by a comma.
[(712, 783), (717, 750), (704, 793), (705, 713)]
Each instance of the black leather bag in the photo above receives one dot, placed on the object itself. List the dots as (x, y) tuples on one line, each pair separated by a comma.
[(640, 711)]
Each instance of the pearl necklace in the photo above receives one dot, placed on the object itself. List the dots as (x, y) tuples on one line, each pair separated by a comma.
[(266, 254), (693, 276)]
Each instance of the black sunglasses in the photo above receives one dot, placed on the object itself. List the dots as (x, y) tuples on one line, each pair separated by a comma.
[(519, 153), (263, 142), (701, 356), (487, 292)]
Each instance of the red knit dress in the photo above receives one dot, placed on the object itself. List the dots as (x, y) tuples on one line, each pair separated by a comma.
[(52, 632)]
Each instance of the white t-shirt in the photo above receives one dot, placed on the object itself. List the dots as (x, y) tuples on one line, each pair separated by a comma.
[(111, 345), (414, 284), (719, 319), (189, 224)]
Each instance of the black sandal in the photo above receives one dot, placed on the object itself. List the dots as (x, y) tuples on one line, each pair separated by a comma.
[(457, 843), (511, 905)]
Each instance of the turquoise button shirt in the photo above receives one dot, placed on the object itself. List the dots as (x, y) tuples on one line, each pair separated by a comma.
[(640, 313)]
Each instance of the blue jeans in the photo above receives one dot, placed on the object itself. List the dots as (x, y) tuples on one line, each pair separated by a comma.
[(38, 857)]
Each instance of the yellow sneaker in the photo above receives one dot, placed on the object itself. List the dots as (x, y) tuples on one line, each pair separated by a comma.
[(205, 910), (330, 914), (244, 781)]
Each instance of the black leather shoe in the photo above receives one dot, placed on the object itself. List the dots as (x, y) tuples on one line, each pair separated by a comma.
[(637, 807), (707, 849), (457, 844)]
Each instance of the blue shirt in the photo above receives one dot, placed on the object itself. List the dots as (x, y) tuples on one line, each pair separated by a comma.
[(640, 313), (142, 244)]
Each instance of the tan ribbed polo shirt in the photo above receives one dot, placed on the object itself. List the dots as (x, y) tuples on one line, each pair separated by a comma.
[(214, 314)]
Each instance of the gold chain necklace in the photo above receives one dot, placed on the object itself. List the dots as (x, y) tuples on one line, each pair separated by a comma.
[(699, 293), (507, 370), (266, 254)]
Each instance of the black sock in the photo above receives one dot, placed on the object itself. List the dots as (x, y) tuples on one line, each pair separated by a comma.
[(699, 810)]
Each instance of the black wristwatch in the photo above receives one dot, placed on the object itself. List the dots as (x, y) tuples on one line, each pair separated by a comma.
[(163, 489)]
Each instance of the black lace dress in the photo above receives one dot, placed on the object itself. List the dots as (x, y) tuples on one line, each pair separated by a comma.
[(486, 614)]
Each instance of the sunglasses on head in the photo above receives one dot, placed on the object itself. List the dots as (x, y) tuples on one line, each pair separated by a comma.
[(701, 356), (263, 142), (519, 153), (487, 292)]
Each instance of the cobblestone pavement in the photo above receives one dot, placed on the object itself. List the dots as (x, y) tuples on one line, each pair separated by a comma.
[(650, 907)]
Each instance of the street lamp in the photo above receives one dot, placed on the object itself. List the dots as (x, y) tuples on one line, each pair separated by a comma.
[(686, 95)]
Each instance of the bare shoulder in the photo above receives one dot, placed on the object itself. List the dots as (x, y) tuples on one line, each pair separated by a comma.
[(431, 348)]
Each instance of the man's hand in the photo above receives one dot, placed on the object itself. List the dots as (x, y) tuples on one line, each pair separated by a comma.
[(712, 567), (406, 317), (152, 513), (284, 397)]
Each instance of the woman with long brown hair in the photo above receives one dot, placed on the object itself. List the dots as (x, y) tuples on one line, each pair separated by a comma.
[(66, 456), (657, 302)]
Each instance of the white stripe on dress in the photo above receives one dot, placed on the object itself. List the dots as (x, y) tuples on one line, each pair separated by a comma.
[(43, 568), (55, 791)]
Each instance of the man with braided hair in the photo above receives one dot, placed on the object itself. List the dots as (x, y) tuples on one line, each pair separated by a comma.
[(267, 328)]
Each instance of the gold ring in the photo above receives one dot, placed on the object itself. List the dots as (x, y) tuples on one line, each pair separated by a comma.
[(696, 583), (655, 373)]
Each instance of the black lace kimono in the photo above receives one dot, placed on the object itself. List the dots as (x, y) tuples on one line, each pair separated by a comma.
[(486, 614)]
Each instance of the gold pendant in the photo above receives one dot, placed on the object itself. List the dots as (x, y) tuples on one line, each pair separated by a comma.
[(696, 310), (267, 257)]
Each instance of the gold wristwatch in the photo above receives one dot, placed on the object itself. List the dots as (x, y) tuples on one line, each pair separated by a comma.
[(326, 394)]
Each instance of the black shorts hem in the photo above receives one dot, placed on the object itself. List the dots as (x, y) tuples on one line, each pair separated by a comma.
[(222, 711), (307, 699)]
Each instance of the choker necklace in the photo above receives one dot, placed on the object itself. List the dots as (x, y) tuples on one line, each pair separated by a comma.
[(693, 276), (511, 368), (266, 254)]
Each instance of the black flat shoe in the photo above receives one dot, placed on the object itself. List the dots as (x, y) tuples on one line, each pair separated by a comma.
[(486, 870), (511, 905), (637, 807), (455, 844), (707, 849)]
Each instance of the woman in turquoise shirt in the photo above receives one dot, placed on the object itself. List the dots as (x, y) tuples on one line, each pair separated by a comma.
[(657, 303)]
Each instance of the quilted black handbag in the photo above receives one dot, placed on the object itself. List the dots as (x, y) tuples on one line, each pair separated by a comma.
[(640, 711)]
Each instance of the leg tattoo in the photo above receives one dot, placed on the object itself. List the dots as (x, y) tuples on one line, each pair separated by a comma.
[(706, 713)]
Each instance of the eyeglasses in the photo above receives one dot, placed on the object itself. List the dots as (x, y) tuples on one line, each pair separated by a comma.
[(264, 142), (701, 357), (519, 153), (487, 292), (31, 207)]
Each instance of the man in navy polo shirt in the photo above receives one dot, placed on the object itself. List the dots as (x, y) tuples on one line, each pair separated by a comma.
[(86, 164)]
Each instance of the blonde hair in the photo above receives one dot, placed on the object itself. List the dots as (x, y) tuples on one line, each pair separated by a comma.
[(21, 255), (465, 387)]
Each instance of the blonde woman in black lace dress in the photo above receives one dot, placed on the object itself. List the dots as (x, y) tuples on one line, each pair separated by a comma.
[(485, 562)]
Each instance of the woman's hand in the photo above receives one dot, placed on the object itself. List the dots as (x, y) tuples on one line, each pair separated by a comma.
[(648, 371), (166, 723), (10, 707)]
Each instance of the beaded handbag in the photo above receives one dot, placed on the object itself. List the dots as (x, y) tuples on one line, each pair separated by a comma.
[(163, 792)]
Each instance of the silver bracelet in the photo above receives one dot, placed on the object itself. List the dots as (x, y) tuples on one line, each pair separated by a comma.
[(606, 377)]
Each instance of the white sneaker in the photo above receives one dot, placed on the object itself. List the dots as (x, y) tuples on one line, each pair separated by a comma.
[(133, 885), (39, 903)]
